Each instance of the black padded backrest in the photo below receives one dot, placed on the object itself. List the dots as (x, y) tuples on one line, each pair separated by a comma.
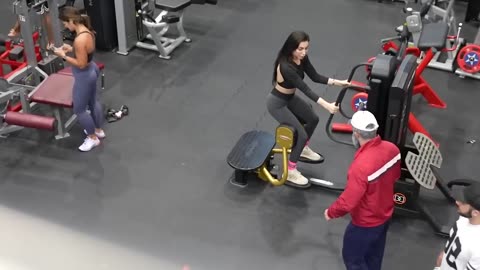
[(172, 5), (434, 35)]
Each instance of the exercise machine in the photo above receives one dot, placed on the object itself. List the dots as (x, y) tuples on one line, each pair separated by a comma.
[(434, 39), (422, 165), (12, 121), (102, 19), (445, 58), (141, 22), (254, 152), (13, 55), (49, 63), (421, 161), (389, 90), (54, 92), (468, 59)]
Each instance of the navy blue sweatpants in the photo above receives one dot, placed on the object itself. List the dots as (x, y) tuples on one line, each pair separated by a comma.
[(363, 247)]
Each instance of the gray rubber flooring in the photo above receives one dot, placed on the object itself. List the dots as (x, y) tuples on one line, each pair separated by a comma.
[(155, 194)]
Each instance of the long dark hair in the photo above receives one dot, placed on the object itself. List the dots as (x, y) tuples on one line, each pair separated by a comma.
[(71, 13), (290, 45)]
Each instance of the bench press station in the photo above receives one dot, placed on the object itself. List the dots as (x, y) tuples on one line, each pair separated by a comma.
[(156, 16), (55, 91)]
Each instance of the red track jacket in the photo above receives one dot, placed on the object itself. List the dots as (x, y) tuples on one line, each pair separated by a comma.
[(368, 196)]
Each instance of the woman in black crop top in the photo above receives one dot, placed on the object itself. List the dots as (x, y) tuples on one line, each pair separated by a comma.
[(288, 108), (86, 73)]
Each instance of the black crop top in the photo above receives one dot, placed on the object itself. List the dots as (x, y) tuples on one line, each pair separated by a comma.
[(293, 75), (89, 55)]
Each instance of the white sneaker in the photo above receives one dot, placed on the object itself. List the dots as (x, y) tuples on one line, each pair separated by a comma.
[(89, 144), (310, 154), (100, 134), (297, 178)]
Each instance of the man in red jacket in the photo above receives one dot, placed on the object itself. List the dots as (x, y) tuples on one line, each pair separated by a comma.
[(368, 195)]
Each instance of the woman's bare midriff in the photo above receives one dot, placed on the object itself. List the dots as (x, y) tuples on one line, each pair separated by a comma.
[(284, 90)]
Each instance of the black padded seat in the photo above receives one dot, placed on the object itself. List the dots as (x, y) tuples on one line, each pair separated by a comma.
[(434, 35), (172, 5), (251, 150)]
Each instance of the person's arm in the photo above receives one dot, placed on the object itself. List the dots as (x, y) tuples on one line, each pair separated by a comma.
[(354, 191), (318, 78), (313, 74), (81, 59)]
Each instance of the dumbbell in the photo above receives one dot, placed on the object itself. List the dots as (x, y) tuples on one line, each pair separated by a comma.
[(113, 115)]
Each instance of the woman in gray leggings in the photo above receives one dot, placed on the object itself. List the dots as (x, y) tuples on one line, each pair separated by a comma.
[(287, 108), (85, 72)]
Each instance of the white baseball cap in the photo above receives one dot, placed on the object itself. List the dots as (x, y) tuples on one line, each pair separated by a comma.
[(361, 119)]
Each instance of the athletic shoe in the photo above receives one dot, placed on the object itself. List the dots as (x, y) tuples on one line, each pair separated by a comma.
[(297, 178), (310, 154), (89, 144)]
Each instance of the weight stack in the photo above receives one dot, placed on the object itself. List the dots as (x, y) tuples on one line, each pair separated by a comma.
[(102, 17)]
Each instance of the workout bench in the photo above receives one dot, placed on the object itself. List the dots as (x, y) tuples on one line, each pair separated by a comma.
[(254, 152), (55, 91), (159, 25)]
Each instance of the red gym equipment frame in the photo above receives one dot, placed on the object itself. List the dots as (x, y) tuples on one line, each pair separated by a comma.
[(413, 124), (421, 85), (17, 65)]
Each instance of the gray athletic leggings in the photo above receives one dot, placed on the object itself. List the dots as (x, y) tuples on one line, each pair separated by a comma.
[(295, 112), (85, 96)]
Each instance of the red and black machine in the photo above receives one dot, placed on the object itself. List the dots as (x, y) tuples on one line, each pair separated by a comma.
[(389, 99), (421, 86)]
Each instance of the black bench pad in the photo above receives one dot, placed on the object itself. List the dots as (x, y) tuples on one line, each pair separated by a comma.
[(434, 35), (172, 5), (251, 150)]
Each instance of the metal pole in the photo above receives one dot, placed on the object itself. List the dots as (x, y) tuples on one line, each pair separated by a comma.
[(22, 12), (55, 21), (126, 25)]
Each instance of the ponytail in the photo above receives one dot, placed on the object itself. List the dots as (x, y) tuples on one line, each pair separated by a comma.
[(85, 20)]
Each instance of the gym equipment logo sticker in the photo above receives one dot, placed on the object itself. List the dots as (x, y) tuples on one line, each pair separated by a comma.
[(399, 198)]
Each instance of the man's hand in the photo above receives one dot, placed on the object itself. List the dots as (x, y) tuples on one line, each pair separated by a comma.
[(326, 215)]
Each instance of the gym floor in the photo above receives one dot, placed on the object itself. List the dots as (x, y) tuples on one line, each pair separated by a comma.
[(155, 194)]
